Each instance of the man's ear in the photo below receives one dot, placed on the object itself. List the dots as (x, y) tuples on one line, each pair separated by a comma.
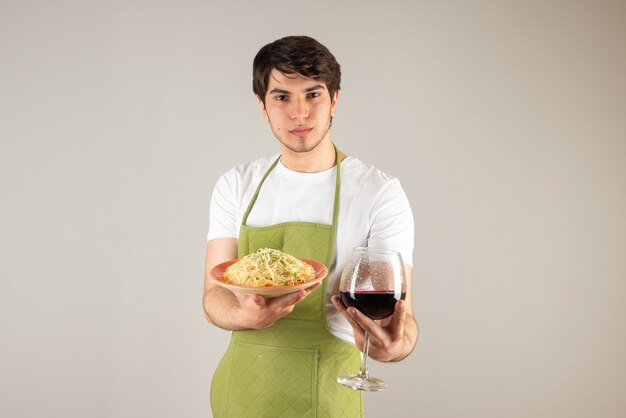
[(333, 103), (262, 106)]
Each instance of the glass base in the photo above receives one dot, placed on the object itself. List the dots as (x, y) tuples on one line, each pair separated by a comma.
[(369, 384)]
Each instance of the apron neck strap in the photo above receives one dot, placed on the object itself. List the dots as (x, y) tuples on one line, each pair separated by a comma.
[(338, 157)]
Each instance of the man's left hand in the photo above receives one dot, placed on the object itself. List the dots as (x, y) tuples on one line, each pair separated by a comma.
[(388, 339)]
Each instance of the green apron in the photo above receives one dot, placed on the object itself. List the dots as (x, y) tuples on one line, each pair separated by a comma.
[(289, 369)]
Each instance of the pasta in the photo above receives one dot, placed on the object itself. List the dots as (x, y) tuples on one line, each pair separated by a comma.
[(268, 267)]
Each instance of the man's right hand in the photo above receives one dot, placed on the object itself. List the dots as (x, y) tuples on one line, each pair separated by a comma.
[(260, 312), (236, 311)]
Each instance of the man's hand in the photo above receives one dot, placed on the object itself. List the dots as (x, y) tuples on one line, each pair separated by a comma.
[(236, 311), (391, 339), (260, 312)]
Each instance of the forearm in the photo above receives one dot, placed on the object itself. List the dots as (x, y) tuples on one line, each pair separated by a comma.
[(222, 309), (221, 306)]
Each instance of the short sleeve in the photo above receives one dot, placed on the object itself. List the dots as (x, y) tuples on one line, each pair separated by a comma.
[(223, 209), (391, 221)]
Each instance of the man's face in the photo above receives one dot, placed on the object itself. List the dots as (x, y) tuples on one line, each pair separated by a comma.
[(298, 110)]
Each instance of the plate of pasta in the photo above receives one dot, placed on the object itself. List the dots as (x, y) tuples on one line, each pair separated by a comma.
[(268, 272)]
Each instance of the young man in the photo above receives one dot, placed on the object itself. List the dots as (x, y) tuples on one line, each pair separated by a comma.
[(313, 202)]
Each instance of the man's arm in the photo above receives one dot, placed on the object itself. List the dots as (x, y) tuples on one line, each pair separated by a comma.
[(236, 311), (391, 339)]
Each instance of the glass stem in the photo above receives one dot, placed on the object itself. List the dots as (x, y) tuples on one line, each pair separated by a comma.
[(363, 372)]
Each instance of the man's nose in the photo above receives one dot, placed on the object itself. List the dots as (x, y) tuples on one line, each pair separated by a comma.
[(299, 109)]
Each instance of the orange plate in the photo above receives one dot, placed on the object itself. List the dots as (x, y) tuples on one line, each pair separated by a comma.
[(217, 274)]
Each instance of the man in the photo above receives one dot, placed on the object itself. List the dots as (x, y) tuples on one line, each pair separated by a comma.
[(314, 202)]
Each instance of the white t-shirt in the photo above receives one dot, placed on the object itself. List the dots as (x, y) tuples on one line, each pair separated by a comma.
[(373, 212)]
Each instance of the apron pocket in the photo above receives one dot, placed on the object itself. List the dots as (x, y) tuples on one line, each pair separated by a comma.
[(267, 381)]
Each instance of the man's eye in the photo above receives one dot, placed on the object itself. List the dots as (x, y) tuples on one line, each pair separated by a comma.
[(314, 94), (281, 98)]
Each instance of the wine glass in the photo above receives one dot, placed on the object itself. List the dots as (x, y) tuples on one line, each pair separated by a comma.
[(372, 281)]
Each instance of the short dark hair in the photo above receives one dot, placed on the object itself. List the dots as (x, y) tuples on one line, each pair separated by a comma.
[(295, 55)]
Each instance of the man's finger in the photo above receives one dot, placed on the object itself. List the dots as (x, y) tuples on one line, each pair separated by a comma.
[(396, 326), (312, 288), (344, 312), (399, 314), (287, 300), (259, 300), (368, 325)]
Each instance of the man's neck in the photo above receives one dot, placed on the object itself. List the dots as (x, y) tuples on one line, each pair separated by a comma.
[(318, 159)]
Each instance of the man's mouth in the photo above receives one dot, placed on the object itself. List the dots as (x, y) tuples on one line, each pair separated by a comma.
[(301, 131)]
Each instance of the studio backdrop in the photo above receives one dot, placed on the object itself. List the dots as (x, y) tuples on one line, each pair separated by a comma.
[(503, 120)]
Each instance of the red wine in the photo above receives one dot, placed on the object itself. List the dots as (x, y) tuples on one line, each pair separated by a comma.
[(374, 304)]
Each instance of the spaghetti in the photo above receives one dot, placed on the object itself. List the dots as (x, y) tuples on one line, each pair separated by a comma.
[(267, 268)]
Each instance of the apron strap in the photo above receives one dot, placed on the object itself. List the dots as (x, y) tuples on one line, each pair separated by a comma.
[(256, 193), (338, 157)]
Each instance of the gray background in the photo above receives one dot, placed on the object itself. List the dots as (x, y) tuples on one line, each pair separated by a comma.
[(504, 120)]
